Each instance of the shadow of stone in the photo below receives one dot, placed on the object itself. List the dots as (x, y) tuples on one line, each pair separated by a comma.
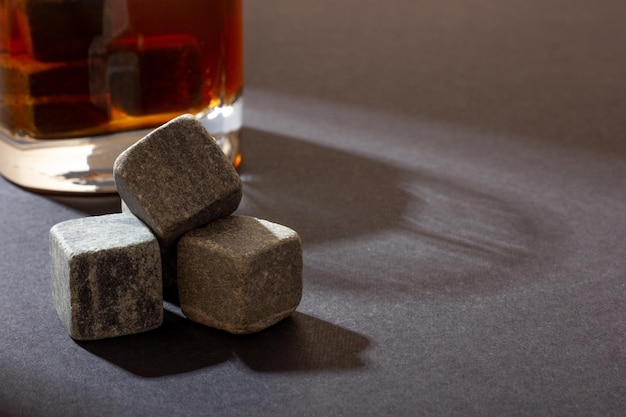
[(178, 346), (300, 343)]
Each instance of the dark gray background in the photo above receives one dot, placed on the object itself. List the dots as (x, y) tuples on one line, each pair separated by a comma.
[(457, 172)]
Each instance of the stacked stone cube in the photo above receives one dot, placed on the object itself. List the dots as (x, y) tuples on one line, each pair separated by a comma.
[(106, 276), (239, 274), (235, 273)]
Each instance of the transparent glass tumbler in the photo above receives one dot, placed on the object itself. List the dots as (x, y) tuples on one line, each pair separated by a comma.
[(81, 80)]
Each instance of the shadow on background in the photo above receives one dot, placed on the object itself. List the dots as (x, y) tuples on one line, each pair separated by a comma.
[(323, 193), (447, 235), (300, 343)]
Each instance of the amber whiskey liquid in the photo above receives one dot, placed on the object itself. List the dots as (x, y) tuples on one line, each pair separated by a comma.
[(92, 68)]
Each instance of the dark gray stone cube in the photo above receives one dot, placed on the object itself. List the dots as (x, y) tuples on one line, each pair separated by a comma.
[(240, 274), (177, 179), (106, 276)]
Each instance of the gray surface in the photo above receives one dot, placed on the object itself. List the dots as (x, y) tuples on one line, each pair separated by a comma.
[(457, 173)]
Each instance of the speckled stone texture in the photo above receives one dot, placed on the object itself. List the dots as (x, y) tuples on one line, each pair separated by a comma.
[(240, 274), (106, 276), (177, 179)]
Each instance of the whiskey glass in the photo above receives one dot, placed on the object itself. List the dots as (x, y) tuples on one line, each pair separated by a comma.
[(81, 80)]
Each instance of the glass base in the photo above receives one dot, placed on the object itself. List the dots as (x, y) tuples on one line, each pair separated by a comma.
[(85, 165)]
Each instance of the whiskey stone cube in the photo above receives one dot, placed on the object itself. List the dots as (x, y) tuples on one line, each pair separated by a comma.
[(106, 276), (177, 179), (48, 99), (45, 80), (60, 30), (239, 274), (134, 65)]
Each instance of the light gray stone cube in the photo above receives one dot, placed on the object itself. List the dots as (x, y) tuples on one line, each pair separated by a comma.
[(239, 274), (106, 276), (177, 179)]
